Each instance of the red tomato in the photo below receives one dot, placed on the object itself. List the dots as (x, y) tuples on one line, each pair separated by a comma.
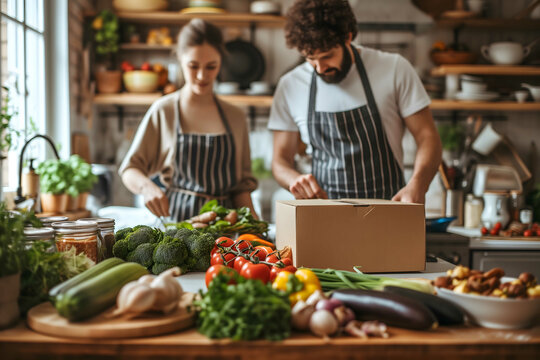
[(494, 231), (146, 66), (241, 245), (276, 270), (537, 232), (287, 261), (127, 66), (255, 271), (528, 233), (484, 230), (497, 226), (259, 252), (219, 258), (214, 270), (214, 250), (224, 241), (239, 262)]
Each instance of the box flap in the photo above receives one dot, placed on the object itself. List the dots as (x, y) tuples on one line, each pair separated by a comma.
[(378, 202), (312, 202)]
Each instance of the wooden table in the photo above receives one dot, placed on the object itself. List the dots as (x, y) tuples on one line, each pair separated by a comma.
[(443, 343)]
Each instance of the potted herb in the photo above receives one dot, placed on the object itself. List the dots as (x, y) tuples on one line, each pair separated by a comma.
[(452, 138), (12, 255), (55, 181), (82, 181), (106, 37)]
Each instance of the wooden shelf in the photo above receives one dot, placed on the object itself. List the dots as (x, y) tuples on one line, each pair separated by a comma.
[(71, 215), (230, 19), (486, 70), (131, 99), (482, 23), (441, 104), (146, 47)]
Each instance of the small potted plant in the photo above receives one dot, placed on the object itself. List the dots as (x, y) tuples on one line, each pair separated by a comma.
[(106, 37), (11, 263), (54, 181), (82, 181)]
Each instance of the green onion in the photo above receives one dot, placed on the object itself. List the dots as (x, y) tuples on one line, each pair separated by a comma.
[(338, 279)]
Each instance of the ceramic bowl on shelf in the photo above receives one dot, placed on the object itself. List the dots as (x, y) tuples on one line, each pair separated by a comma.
[(452, 57), (140, 5), (494, 312), (141, 81)]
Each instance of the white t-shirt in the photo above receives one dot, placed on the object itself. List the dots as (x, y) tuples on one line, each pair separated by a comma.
[(396, 87)]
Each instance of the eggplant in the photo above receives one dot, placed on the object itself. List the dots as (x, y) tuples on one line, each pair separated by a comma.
[(392, 309), (446, 312)]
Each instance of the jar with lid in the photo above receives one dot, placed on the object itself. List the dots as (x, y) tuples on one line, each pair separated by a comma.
[(473, 212), (516, 204), (106, 229), (45, 234), (82, 235), (48, 220)]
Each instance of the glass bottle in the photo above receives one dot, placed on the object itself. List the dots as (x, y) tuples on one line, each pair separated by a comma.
[(82, 235), (516, 204), (106, 229), (473, 212)]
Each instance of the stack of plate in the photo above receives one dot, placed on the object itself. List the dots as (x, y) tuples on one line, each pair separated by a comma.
[(474, 89)]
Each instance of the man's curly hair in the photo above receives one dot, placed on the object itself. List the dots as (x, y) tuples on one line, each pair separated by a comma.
[(319, 25)]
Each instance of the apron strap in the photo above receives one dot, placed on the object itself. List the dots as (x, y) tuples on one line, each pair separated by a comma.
[(365, 83)]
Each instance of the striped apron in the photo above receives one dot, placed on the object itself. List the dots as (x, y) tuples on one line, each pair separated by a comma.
[(204, 170), (351, 155)]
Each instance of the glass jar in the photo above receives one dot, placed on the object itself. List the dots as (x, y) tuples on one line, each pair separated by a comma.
[(48, 220), (46, 234), (82, 235), (516, 204), (473, 212), (106, 229)]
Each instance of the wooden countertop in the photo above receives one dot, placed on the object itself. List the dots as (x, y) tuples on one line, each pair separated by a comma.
[(444, 343)]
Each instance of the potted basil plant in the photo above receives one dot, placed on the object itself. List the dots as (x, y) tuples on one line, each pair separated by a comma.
[(54, 181), (106, 37), (82, 181), (12, 255)]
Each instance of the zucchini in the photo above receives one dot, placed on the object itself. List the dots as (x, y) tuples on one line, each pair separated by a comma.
[(392, 309), (86, 275), (97, 294), (446, 312)]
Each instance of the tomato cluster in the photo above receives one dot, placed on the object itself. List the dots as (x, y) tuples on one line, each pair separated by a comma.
[(251, 262), (493, 231)]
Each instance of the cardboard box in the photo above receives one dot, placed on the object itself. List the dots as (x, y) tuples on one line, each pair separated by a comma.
[(376, 235)]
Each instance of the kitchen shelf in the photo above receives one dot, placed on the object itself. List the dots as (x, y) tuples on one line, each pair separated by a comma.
[(441, 104), (229, 19), (486, 70), (129, 99), (143, 46), (483, 23)]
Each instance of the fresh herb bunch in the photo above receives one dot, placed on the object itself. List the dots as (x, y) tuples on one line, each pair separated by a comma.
[(247, 310), (6, 128), (44, 269), (83, 178), (12, 239), (245, 224)]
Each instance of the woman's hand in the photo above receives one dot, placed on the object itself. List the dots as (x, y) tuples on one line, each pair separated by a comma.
[(155, 199)]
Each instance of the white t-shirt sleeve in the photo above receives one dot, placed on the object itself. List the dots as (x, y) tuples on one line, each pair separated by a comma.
[(410, 92), (280, 113)]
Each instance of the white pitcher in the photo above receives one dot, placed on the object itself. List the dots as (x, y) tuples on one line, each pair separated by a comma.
[(495, 209)]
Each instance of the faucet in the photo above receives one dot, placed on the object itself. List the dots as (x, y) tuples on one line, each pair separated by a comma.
[(20, 198)]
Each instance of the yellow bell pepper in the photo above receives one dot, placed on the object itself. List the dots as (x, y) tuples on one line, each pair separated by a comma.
[(307, 278)]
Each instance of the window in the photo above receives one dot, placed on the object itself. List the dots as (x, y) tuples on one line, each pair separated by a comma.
[(22, 71)]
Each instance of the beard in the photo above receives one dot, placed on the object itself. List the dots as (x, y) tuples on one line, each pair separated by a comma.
[(334, 75)]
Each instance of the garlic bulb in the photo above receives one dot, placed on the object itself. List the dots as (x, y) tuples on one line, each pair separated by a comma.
[(168, 290)]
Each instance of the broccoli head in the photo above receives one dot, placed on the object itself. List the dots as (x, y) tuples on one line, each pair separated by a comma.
[(183, 233), (122, 233), (120, 249), (200, 244), (170, 232), (158, 235), (142, 255), (140, 236), (201, 264), (170, 251)]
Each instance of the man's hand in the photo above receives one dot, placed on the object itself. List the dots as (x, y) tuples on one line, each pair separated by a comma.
[(306, 187), (155, 199), (411, 193)]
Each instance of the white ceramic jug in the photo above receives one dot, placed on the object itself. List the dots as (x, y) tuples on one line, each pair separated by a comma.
[(495, 209)]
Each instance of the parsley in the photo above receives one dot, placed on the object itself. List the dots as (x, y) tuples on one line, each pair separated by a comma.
[(248, 310)]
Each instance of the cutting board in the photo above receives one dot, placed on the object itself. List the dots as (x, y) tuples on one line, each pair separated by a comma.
[(44, 318)]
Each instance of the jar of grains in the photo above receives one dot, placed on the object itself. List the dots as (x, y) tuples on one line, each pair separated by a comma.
[(106, 229), (82, 235), (46, 234)]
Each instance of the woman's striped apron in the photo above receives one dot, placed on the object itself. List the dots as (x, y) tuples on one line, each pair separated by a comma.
[(351, 154), (204, 170)]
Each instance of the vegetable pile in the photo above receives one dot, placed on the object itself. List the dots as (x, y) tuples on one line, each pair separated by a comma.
[(243, 309), (220, 221), (159, 251)]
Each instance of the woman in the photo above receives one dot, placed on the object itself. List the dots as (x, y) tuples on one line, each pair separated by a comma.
[(197, 144)]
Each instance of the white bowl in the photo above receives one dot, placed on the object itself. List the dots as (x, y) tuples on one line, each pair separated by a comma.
[(140, 5), (493, 312), (473, 87)]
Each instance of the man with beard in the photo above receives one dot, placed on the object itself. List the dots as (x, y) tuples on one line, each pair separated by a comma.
[(351, 104)]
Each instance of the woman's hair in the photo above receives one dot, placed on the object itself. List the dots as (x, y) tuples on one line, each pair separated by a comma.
[(319, 25), (198, 32)]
